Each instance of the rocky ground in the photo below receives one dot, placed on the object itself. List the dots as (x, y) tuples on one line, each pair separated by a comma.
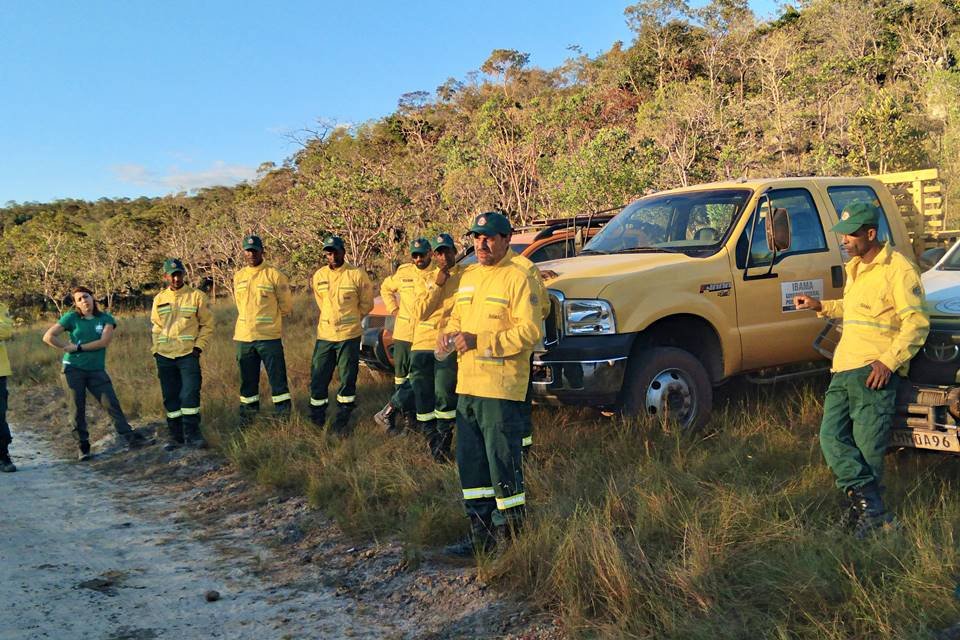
[(131, 544)]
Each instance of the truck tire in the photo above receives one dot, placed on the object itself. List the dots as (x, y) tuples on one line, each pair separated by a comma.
[(667, 383)]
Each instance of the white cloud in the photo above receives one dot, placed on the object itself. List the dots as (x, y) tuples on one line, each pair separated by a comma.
[(177, 179)]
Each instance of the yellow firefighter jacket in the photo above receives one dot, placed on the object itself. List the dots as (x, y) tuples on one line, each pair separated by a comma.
[(500, 306), (6, 332), (263, 298), (537, 280), (432, 308), (344, 296), (399, 293), (181, 321), (883, 313)]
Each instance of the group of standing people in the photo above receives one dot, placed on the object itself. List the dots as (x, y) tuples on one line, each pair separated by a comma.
[(463, 343)]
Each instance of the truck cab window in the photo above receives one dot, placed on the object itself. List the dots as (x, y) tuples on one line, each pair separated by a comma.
[(806, 229), (840, 197)]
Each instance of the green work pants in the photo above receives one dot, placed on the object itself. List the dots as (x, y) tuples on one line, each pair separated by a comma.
[(855, 431), (489, 434), (78, 382), (402, 392), (180, 382), (249, 357), (5, 436), (528, 410), (434, 386), (344, 356)]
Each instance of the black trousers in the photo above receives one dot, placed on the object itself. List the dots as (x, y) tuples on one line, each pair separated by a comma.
[(78, 382)]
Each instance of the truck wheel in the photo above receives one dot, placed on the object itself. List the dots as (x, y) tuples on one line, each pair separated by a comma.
[(668, 384)]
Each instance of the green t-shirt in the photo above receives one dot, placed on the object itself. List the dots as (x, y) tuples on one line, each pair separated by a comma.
[(83, 330)]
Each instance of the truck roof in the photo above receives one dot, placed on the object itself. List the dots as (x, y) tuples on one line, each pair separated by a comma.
[(759, 183)]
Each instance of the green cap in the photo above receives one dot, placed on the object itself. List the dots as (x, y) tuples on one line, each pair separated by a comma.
[(420, 245), (855, 215), (252, 242), (443, 240), (491, 223), (173, 265), (333, 243)]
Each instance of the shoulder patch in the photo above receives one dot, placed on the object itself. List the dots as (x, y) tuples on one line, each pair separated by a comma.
[(917, 290)]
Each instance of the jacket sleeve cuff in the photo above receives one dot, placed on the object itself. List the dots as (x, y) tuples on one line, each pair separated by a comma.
[(890, 362)]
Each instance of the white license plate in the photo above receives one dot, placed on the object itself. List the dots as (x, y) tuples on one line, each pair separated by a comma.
[(924, 439)]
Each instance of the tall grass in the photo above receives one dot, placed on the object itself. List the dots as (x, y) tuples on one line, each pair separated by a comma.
[(634, 530)]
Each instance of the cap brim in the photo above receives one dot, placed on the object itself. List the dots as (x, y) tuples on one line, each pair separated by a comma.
[(846, 227)]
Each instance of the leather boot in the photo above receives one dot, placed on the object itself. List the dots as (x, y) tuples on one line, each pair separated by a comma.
[(482, 539), (387, 418), (873, 515), (318, 416)]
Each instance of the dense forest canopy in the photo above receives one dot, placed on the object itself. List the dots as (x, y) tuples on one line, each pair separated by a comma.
[(833, 87)]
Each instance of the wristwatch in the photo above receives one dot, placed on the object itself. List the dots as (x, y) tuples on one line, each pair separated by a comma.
[(79, 347)]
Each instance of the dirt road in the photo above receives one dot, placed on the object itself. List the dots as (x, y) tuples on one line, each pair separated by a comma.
[(81, 557)]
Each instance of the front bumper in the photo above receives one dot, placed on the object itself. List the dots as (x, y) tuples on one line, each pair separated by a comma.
[(582, 370)]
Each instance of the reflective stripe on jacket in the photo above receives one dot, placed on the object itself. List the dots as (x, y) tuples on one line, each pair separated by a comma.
[(432, 308), (343, 296), (883, 313), (6, 332), (263, 298), (181, 321), (499, 305), (399, 293)]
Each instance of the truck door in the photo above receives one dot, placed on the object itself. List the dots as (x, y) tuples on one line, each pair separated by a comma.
[(772, 331)]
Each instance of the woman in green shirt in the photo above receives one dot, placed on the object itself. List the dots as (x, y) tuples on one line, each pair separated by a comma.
[(90, 330)]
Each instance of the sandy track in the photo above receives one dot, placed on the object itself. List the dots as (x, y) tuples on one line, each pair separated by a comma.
[(79, 560)]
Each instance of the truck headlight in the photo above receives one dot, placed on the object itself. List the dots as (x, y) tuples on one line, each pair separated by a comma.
[(586, 317)]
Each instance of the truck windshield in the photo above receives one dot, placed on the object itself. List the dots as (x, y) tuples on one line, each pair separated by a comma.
[(952, 263), (694, 222)]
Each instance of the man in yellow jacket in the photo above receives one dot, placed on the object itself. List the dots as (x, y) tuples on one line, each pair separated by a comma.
[(263, 298), (884, 325), (399, 294), (6, 332), (182, 326), (432, 379), (494, 326), (344, 295)]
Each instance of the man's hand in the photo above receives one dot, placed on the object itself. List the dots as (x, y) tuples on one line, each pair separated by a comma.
[(464, 341), (806, 302), (879, 375), (197, 351)]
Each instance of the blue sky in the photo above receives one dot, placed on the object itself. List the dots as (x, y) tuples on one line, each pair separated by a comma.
[(111, 99)]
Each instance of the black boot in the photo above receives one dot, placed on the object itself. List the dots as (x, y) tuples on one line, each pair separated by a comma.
[(174, 434), (6, 464), (135, 440), (84, 451), (318, 416), (194, 439), (441, 437), (341, 422), (482, 539), (873, 515)]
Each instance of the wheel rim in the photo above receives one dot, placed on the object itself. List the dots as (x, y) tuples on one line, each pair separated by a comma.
[(670, 396)]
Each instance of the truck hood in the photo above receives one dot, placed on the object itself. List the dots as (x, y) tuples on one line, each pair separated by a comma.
[(943, 292), (587, 276)]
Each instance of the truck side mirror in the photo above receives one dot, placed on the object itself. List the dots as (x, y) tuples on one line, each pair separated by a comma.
[(778, 231), (931, 257)]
